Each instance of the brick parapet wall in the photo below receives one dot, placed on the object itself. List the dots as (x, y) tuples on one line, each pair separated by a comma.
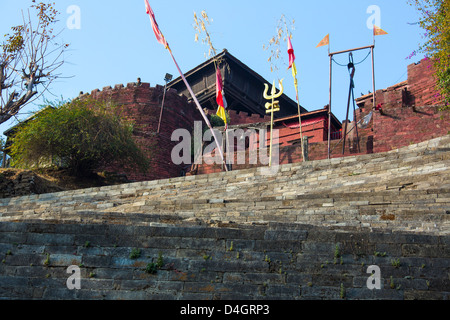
[(410, 113), (422, 84), (238, 118), (406, 118), (141, 104), (397, 127), (418, 90)]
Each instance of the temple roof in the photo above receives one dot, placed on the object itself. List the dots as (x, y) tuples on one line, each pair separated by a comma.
[(243, 87)]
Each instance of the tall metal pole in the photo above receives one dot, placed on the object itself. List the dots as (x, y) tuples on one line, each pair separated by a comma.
[(299, 119), (329, 110), (373, 82), (373, 76), (162, 107), (355, 122), (208, 123)]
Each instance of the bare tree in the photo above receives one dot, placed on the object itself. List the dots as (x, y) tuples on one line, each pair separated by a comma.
[(29, 58)]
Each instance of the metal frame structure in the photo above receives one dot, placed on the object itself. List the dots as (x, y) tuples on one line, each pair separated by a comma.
[(372, 49)]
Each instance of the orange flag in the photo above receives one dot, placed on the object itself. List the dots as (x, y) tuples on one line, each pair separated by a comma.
[(325, 41), (377, 31)]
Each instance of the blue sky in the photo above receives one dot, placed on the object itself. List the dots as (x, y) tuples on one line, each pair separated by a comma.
[(115, 43)]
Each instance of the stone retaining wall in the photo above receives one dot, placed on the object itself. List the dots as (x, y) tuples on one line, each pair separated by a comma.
[(272, 261), (309, 231)]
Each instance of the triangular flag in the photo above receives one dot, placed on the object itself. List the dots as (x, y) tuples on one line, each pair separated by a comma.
[(377, 31), (158, 33), (291, 53), (325, 41)]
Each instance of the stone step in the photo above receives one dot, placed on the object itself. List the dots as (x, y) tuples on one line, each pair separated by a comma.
[(358, 181), (108, 199), (419, 210)]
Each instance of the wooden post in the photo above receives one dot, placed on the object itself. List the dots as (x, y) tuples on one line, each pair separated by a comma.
[(305, 147)]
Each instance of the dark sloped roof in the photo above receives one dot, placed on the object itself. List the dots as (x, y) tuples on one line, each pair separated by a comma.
[(243, 87)]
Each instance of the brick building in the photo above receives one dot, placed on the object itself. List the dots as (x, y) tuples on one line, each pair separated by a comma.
[(244, 93), (408, 113)]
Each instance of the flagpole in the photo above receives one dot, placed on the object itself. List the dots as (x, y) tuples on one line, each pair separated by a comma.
[(271, 131), (326, 41), (198, 107), (329, 108), (217, 71), (373, 77), (294, 75), (160, 38), (299, 118), (373, 68)]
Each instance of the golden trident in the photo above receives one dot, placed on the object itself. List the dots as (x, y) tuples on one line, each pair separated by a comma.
[(272, 107)]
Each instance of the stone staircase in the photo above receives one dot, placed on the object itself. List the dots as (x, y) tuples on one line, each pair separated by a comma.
[(308, 232), (405, 190)]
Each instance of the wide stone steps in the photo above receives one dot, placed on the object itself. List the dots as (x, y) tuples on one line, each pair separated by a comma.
[(412, 210), (309, 232), (406, 188)]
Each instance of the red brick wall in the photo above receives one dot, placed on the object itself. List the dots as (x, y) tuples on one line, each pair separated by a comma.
[(398, 127), (316, 130), (405, 119), (410, 110), (293, 154), (142, 105), (238, 118), (422, 84), (420, 89)]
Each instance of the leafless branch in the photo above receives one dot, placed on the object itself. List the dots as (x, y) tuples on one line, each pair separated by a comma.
[(28, 62)]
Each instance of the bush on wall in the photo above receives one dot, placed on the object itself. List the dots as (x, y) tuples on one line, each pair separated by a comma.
[(84, 134)]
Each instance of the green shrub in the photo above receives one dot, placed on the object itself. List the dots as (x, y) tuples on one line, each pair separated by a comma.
[(435, 21), (83, 134), (151, 268), (135, 253)]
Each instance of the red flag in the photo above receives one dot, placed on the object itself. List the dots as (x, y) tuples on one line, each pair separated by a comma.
[(220, 98), (219, 89), (291, 53), (158, 33)]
